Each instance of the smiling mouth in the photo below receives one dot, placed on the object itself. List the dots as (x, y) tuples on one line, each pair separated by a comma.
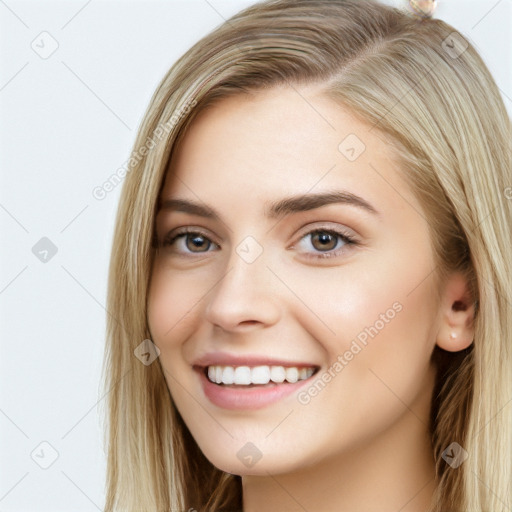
[(250, 376)]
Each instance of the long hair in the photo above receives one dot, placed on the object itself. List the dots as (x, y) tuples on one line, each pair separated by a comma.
[(424, 88)]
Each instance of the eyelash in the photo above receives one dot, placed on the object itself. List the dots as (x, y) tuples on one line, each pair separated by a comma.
[(347, 239)]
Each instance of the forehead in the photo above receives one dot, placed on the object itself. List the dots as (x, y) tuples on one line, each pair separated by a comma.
[(281, 142)]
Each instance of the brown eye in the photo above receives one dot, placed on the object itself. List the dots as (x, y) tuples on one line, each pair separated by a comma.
[(326, 243), (324, 240), (196, 242), (187, 242)]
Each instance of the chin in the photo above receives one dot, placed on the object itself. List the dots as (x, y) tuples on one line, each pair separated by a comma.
[(245, 458)]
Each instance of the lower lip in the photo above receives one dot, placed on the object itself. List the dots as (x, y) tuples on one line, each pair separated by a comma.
[(254, 397)]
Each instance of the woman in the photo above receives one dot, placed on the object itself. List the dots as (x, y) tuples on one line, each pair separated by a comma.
[(309, 290)]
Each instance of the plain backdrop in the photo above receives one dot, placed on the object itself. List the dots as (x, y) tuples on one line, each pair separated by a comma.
[(75, 80)]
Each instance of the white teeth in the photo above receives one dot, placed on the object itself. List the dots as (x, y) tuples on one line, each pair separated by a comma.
[(228, 375), (292, 375), (244, 375), (260, 375), (277, 374)]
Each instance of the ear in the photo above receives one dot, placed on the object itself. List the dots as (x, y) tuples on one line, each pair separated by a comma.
[(456, 327)]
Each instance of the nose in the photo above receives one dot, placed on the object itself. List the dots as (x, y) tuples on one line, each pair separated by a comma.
[(246, 296)]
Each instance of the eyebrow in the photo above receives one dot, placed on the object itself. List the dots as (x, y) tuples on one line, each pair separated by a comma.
[(277, 209)]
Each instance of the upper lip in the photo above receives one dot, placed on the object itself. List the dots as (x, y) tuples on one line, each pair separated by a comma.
[(225, 359)]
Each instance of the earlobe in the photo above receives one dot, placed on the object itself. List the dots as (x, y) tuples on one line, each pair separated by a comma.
[(456, 329)]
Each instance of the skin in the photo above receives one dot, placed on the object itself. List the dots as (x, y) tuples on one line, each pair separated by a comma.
[(362, 443)]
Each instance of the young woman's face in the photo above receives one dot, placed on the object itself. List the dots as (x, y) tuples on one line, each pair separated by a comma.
[(306, 253)]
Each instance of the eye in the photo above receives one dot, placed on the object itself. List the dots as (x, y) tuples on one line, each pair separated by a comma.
[(329, 242), (187, 240)]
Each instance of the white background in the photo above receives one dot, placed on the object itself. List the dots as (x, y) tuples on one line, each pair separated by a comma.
[(67, 123)]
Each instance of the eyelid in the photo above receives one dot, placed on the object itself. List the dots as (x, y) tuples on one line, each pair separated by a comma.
[(173, 234), (326, 226)]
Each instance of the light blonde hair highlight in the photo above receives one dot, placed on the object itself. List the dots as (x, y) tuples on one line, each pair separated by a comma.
[(451, 135)]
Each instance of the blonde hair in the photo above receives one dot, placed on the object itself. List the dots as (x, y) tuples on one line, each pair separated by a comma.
[(443, 115)]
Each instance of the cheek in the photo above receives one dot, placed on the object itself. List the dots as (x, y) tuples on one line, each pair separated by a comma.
[(379, 356), (377, 300), (173, 302), (377, 321)]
